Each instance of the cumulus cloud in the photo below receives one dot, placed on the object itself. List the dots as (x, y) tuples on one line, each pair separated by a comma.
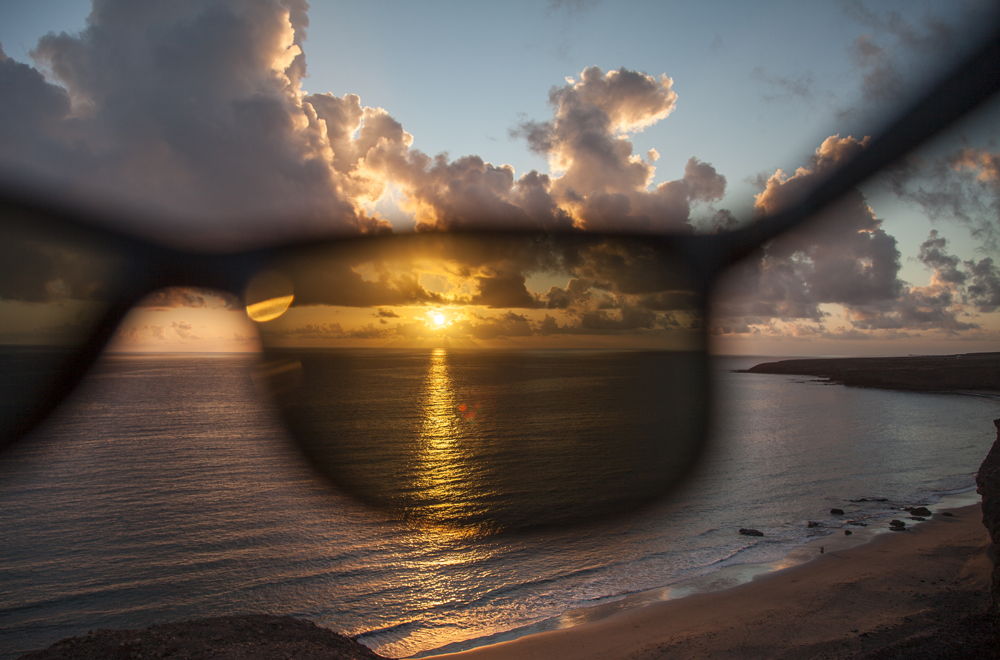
[(184, 330), (845, 257), (977, 285), (598, 182), (190, 297), (984, 288), (204, 116), (602, 183), (962, 186), (848, 259), (191, 109), (196, 109), (893, 37)]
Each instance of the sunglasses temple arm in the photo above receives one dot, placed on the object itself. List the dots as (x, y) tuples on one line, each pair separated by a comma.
[(944, 104)]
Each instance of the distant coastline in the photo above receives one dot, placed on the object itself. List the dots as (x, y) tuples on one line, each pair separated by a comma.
[(978, 372)]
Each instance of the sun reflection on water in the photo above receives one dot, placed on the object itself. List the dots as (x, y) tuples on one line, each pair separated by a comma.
[(444, 477)]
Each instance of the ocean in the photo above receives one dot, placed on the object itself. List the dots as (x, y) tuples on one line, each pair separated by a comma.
[(167, 488)]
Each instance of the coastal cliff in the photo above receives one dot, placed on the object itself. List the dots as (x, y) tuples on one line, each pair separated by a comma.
[(926, 373), (988, 485)]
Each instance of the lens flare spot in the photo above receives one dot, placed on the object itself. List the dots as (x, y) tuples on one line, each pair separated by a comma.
[(462, 407), (270, 309)]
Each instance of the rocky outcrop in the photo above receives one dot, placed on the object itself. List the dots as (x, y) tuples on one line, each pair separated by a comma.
[(988, 485), (245, 637)]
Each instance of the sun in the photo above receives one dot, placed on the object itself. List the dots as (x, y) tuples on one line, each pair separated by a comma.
[(437, 318)]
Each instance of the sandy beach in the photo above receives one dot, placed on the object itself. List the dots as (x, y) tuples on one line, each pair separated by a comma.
[(899, 595), (922, 593)]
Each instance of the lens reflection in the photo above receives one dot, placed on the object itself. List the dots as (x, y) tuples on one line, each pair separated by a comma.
[(497, 384)]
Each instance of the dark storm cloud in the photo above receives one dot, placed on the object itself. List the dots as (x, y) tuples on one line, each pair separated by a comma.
[(504, 290)]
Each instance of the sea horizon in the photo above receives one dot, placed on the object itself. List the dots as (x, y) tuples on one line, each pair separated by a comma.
[(160, 494)]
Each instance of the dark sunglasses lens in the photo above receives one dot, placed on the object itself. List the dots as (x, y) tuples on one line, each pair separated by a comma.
[(495, 382), (54, 288)]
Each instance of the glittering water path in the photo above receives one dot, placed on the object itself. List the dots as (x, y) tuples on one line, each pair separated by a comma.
[(168, 490)]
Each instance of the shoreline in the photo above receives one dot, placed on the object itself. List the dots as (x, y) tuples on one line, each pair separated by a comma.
[(920, 594), (570, 634)]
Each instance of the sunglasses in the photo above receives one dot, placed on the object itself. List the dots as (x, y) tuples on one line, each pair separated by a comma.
[(496, 379)]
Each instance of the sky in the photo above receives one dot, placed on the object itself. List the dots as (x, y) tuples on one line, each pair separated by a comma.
[(222, 122)]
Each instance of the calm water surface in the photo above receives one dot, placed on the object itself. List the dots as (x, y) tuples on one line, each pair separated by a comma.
[(168, 489)]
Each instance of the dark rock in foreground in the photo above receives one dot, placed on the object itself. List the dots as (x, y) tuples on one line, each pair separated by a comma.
[(988, 485), (247, 637), (971, 371), (750, 532)]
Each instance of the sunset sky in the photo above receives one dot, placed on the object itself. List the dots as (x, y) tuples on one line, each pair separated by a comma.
[(231, 122)]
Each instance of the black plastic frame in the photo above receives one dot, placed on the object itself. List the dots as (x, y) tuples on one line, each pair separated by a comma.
[(151, 266)]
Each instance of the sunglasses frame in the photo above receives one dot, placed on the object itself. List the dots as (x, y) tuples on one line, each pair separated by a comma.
[(151, 266)]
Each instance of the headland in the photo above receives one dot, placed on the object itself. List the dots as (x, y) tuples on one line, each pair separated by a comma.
[(969, 372)]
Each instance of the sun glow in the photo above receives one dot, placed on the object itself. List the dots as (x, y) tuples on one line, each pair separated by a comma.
[(437, 318)]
